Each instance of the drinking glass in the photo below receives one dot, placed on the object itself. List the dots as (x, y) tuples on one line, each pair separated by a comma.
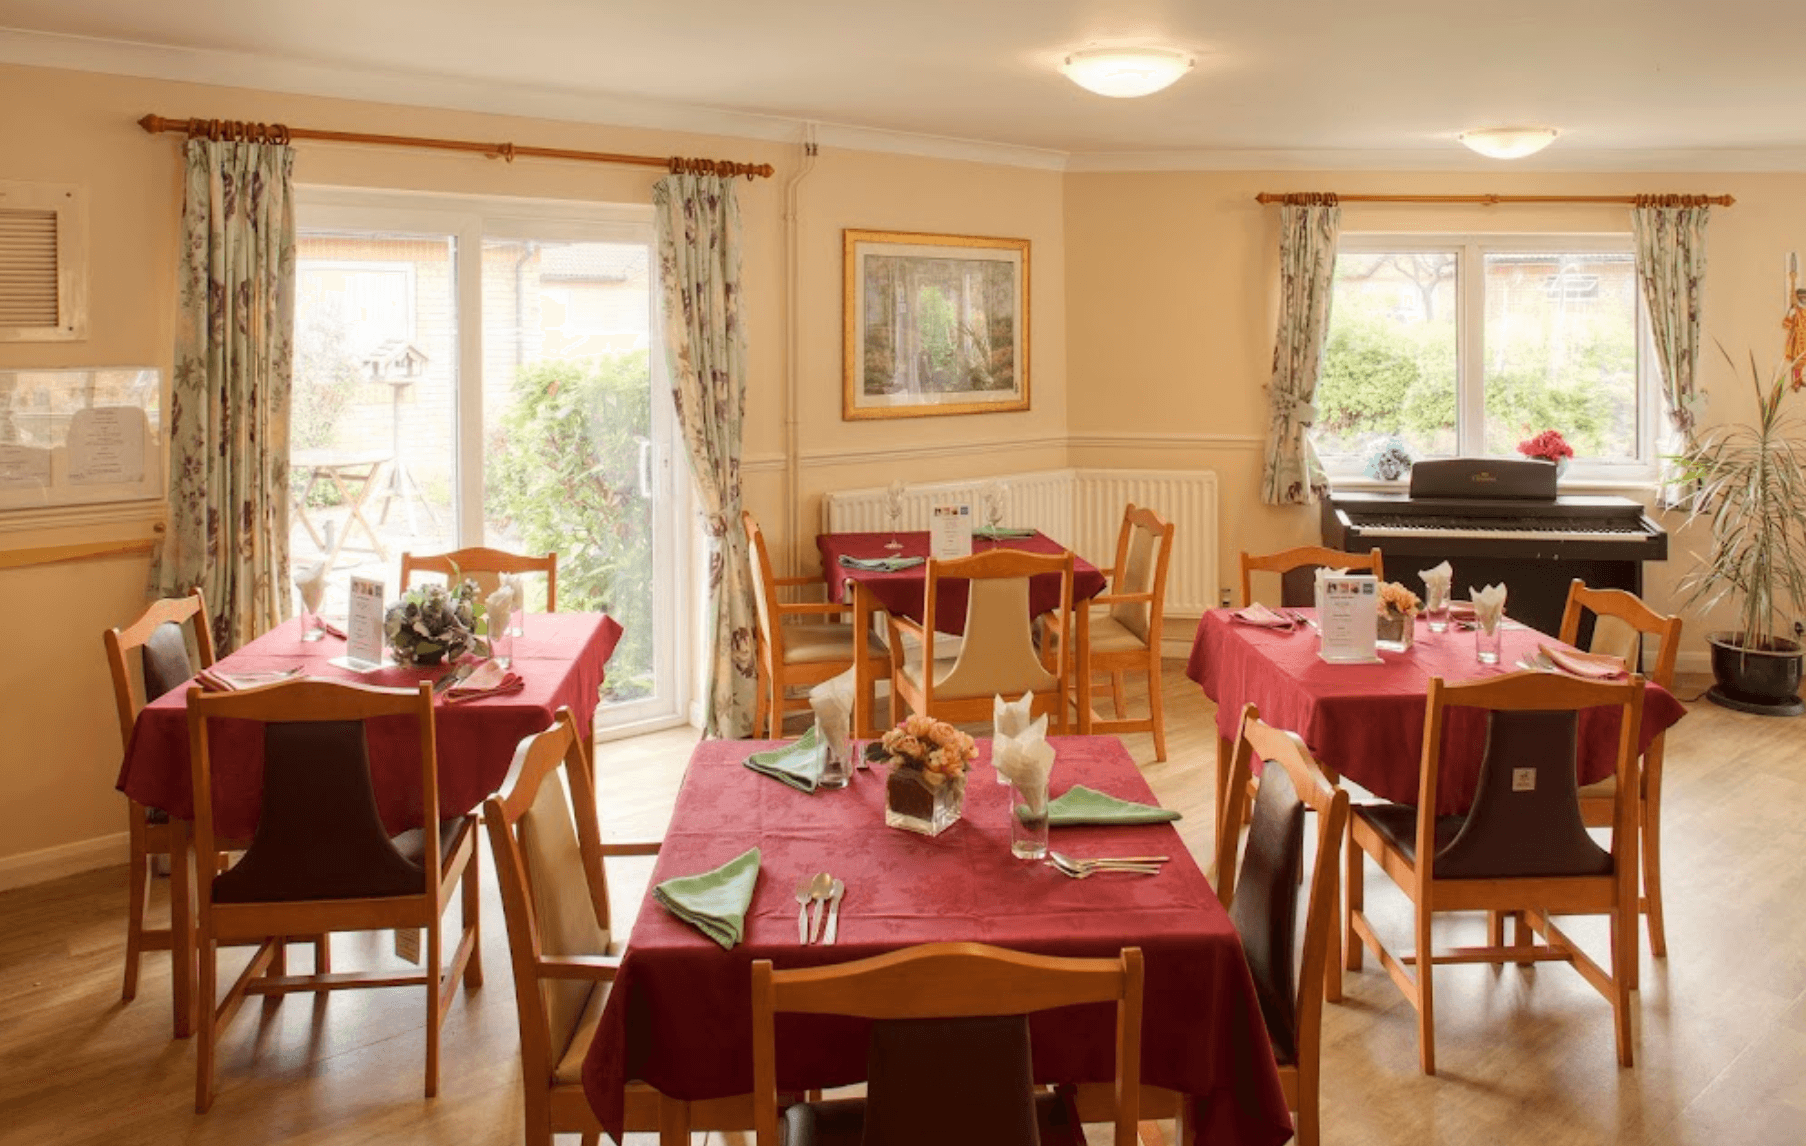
[(517, 620), (1028, 820), (893, 507), (1487, 643), (1436, 609), (501, 644), (837, 767)]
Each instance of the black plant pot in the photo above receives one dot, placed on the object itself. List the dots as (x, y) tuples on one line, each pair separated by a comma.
[(1762, 681)]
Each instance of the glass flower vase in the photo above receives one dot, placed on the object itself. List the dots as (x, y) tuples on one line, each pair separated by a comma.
[(914, 804), (1395, 632)]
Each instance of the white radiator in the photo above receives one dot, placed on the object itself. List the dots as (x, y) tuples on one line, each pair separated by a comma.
[(1082, 508)]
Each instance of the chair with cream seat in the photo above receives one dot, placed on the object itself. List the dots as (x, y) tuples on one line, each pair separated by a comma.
[(798, 644), (485, 567), (997, 655), (1296, 569)]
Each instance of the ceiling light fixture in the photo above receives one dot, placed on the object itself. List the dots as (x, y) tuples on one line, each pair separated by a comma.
[(1508, 142), (1126, 72)]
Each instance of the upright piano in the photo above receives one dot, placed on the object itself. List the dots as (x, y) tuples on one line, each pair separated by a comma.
[(1500, 520)]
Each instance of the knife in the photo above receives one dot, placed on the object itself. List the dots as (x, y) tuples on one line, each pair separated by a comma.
[(834, 893), (453, 677)]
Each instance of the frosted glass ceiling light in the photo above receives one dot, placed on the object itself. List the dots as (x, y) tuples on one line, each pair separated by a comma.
[(1126, 72), (1508, 142)]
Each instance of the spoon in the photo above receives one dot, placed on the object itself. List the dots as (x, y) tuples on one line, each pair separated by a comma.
[(818, 891), (805, 895), (834, 893)]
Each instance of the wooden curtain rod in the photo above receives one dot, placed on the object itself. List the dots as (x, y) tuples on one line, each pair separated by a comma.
[(1495, 200), (65, 554), (234, 129)]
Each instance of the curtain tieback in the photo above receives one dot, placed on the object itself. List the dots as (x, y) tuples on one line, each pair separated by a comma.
[(715, 525), (1298, 410)]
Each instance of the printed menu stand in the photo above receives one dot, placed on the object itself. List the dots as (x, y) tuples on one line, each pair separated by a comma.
[(1349, 619), (363, 627), (950, 532)]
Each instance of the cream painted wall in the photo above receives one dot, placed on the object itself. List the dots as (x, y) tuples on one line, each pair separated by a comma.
[(1172, 285)]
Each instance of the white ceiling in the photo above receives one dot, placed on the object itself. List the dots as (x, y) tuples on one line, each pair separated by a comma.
[(1631, 83)]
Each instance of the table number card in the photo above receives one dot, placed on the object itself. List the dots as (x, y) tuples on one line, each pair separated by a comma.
[(950, 532), (364, 626), (1349, 619)]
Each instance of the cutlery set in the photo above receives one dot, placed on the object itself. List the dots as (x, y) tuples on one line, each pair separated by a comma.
[(818, 899), (1086, 868)]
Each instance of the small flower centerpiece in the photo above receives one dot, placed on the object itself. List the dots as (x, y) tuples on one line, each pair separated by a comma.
[(1398, 616), (1548, 446), (431, 622), (926, 789)]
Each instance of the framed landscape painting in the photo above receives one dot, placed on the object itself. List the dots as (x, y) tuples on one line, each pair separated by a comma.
[(935, 324)]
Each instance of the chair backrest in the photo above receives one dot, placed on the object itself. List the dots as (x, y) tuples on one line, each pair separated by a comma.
[(548, 861), (1296, 571), (1620, 622), (765, 587), (1144, 548), (319, 834), (997, 655), (946, 981), (163, 654), (1263, 899), (484, 566), (1525, 820)]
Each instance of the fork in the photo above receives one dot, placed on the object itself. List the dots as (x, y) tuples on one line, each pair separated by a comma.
[(1089, 870)]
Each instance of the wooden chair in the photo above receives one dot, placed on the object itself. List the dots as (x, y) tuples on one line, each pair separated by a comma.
[(1621, 620), (792, 654), (1294, 566), (548, 854), (1119, 631), (1263, 901), (484, 566), (320, 860), (972, 1000), (1521, 849), (157, 634), (997, 654)]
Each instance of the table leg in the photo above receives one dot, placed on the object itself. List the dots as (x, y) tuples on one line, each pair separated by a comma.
[(673, 1122), (307, 523), (367, 482)]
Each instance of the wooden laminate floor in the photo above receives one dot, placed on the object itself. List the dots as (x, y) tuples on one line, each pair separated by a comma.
[(1525, 1056)]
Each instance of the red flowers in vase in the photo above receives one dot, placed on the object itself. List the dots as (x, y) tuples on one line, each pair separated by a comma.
[(1548, 446)]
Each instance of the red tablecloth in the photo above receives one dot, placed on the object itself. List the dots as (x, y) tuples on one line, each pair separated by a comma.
[(1366, 721), (561, 657), (901, 593), (680, 1017)]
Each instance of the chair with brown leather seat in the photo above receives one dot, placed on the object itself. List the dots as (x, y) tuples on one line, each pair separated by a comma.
[(1620, 622), (934, 1006), (1263, 900), (484, 566), (320, 859), (1521, 849), (1297, 571), (158, 637)]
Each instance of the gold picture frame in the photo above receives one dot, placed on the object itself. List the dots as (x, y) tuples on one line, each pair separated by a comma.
[(933, 325)]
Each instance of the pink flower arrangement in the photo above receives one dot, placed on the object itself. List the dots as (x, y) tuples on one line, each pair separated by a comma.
[(1549, 445), (935, 748)]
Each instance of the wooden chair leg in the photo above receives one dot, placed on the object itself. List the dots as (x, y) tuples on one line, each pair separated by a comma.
[(1117, 694), (181, 932), (1332, 961), (468, 915), (138, 882), (435, 976), (1157, 705), (1651, 805), (1625, 955), (1355, 887), (1426, 993), (208, 1035), (673, 1122), (592, 1138), (323, 958)]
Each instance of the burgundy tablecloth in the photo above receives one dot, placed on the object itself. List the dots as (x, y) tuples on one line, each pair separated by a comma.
[(901, 593), (1366, 721), (679, 1017), (561, 657)]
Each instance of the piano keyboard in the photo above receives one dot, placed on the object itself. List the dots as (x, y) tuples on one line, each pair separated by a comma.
[(1529, 528)]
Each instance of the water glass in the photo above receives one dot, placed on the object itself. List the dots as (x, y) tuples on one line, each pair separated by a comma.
[(1487, 643), (312, 628), (501, 645), (837, 765), (1028, 820), (1436, 609), (517, 621)]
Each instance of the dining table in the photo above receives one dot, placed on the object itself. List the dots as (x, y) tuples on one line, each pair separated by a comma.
[(903, 592), (679, 1015)]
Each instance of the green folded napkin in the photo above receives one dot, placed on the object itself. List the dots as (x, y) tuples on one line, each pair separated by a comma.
[(881, 564), (1001, 532), (714, 902), (1082, 805), (798, 765)]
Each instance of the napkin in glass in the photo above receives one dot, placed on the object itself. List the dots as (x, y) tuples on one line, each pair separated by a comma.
[(1010, 718), (1082, 805), (880, 564), (1489, 606), (832, 701), (1436, 584), (311, 582), (714, 902), (798, 765), (1025, 760), (497, 608)]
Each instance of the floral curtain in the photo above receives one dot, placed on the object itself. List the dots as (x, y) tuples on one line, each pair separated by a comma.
[(229, 396), (1670, 234), (1308, 226), (697, 221)]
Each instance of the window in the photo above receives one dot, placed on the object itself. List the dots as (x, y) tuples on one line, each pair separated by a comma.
[(1466, 345)]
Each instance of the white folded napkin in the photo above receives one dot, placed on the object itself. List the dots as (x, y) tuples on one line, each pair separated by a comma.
[(832, 701), (311, 581), (1025, 760), (1010, 718), (497, 607), (1489, 605), (1436, 585)]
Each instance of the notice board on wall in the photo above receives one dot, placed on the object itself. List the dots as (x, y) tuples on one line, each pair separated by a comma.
[(79, 436)]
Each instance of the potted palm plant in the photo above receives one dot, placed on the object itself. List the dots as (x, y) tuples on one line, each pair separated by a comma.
[(1749, 485)]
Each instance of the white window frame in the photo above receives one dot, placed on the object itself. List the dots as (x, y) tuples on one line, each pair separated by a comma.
[(1470, 250)]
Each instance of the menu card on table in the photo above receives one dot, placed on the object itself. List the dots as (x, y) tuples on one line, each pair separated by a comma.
[(363, 627), (950, 532), (1349, 619)]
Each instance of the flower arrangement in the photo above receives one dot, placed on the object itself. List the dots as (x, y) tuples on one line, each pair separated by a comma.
[(1389, 460), (1398, 617), (1549, 446), (1397, 601), (432, 622), (928, 762)]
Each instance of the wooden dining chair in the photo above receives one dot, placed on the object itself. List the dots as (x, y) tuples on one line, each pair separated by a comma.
[(948, 1055), (1263, 900), (1620, 622), (1119, 631), (997, 655), (485, 567), (1296, 569), (548, 854), (798, 644), (321, 860), (1520, 850), (159, 639)]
